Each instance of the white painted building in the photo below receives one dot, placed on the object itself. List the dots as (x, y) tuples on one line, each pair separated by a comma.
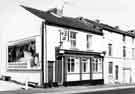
[(73, 50), (119, 59)]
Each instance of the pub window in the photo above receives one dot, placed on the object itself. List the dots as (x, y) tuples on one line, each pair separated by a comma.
[(124, 51), (84, 65), (110, 68), (110, 49), (97, 65), (71, 64), (68, 65), (73, 39), (89, 41)]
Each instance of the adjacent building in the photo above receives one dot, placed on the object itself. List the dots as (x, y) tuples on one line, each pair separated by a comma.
[(119, 58)]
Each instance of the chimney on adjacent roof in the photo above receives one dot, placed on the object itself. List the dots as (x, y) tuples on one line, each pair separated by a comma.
[(117, 27), (97, 21), (132, 31), (80, 18)]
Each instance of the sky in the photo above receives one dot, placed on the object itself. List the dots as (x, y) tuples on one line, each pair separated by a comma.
[(13, 18)]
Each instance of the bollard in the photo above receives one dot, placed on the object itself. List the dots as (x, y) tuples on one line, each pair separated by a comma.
[(26, 84)]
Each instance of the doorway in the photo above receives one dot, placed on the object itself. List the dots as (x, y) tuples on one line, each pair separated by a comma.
[(127, 75)]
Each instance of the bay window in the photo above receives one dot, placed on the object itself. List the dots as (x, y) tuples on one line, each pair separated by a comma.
[(97, 65), (71, 64)]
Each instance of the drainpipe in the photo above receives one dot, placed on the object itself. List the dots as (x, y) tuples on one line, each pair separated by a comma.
[(44, 63), (62, 70), (42, 55), (45, 51)]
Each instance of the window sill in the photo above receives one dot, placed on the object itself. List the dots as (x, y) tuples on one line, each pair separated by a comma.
[(73, 48), (96, 72)]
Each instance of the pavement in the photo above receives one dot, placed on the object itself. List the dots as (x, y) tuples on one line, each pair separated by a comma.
[(8, 86), (82, 89), (13, 87)]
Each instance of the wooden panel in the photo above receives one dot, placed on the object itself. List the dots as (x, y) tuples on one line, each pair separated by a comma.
[(50, 72), (58, 71)]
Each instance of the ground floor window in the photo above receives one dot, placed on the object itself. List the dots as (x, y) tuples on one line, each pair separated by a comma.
[(85, 65), (110, 68), (71, 64), (96, 65)]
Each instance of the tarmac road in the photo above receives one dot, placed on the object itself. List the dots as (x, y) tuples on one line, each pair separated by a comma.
[(120, 91), (13, 88)]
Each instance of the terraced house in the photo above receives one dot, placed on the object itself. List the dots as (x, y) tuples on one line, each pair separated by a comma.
[(72, 51)]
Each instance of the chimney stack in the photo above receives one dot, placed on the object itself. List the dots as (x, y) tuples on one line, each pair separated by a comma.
[(117, 27)]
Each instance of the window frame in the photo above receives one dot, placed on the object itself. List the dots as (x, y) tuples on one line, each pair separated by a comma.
[(133, 53), (109, 49), (116, 72), (95, 65), (88, 42), (110, 68), (124, 38), (85, 64), (70, 68), (124, 51), (133, 40), (73, 39)]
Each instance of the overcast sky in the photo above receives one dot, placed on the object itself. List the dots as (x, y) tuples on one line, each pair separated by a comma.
[(113, 12)]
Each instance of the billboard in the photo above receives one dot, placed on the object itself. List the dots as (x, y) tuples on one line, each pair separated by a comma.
[(23, 56)]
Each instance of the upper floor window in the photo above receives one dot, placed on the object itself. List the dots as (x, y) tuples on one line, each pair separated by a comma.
[(73, 39), (132, 40), (110, 49), (124, 38), (124, 51), (133, 52), (89, 41)]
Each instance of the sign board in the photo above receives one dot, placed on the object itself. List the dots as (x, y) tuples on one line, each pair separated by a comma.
[(23, 56)]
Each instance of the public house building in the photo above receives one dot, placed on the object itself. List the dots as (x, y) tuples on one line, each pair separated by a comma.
[(72, 51)]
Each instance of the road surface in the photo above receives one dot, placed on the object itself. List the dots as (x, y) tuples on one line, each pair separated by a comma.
[(120, 91)]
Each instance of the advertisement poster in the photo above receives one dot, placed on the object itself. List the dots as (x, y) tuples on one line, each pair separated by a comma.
[(23, 56)]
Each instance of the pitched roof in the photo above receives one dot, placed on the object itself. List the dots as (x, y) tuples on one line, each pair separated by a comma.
[(113, 29), (67, 22)]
